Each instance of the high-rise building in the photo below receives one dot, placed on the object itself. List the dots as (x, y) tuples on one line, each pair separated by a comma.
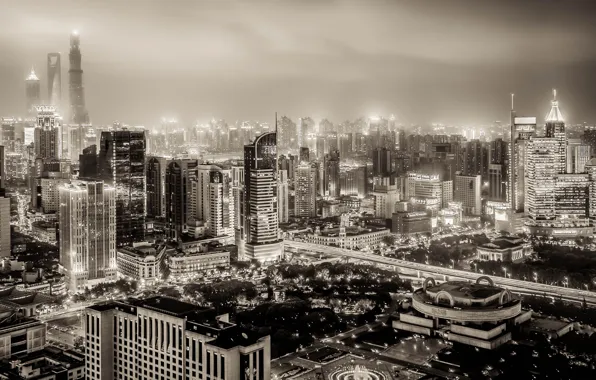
[(354, 182), (156, 187), (476, 158), (382, 162), (428, 190), (497, 182), (4, 224), (87, 233), (577, 156), (305, 198), (237, 178), (221, 203), (467, 191), (331, 175), (178, 194), (283, 197), (522, 130), (2, 167), (32, 93), (47, 140), (258, 237), (386, 196), (162, 337), (121, 163), (54, 80), (88, 164), (78, 112)]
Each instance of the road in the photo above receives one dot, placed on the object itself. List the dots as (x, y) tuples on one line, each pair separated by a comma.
[(424, 270)]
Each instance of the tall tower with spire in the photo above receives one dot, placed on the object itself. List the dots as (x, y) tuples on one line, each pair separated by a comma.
[(32, 93), (78, 112), (554, 120)]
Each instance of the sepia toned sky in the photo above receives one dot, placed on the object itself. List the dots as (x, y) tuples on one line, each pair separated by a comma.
[(452, 61)]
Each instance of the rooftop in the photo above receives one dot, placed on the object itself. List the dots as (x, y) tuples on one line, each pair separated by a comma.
[(464, 289), (168, 305), (235, 337), (503, 243)]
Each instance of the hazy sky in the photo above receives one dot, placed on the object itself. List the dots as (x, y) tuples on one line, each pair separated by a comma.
[(426, 60)]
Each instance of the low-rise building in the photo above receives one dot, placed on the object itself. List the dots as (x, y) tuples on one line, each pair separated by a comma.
[(145, 263), (475, 314), (19, 334), (192, 256), (347, 237), (49, 363), (411, 223), (506, 249)]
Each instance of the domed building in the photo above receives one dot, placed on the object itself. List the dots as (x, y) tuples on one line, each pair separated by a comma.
[(478, 314)]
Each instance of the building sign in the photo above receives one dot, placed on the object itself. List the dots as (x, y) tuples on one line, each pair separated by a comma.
[(45, 108)]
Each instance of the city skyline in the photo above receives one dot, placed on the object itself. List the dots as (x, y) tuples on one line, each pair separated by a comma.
[(385, 56)]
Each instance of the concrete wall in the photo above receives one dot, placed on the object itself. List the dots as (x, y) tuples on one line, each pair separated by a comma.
[(477, 333), (486, 344), (414, 320), (413, 328)]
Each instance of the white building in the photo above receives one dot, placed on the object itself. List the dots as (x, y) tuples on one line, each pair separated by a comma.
[(163, 338), (87, 233), (305, 198), (143, 262), (283, 197), (386, 196), (467, 191)]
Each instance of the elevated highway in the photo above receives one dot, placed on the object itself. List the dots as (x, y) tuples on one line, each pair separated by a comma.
[(424, 270)]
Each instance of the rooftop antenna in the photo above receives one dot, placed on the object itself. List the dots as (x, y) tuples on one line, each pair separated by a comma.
[(554, 94), (512, 96), (276, 122)]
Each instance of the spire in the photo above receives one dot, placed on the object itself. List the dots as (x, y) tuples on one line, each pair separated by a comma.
[(32, 75), (554, 116)]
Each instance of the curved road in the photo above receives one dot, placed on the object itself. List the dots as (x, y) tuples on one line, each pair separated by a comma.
[(512, 284)]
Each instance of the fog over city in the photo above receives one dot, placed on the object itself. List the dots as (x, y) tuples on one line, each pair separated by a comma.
[(424, 61)]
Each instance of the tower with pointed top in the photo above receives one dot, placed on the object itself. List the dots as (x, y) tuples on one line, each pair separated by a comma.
[(78, 112), (32, 93)]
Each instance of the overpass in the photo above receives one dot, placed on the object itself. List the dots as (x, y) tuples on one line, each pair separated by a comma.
[(422, 270)]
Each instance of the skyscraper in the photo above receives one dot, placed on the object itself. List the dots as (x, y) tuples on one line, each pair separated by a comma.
[(522, 130), (156, 176), (121, 164), (283, 197), (2, 167), (382, 162), (258, 236), (87, 233), (221, 203), (78, 112), (54, 80), (466, 190), (179, 175), (32, 93), (331, 175), (47, 140), (305, 198)]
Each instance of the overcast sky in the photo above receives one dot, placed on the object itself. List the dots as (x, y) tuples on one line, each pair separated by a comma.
[(453, 61)]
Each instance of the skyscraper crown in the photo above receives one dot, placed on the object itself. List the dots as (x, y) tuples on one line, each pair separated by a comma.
[(554, 116)]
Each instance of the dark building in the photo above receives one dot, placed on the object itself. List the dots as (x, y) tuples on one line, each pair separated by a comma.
[(331, 175), (121, 164), (88, 162), (411, 223), (476, 159), (304, 154), (382, 162), (156, 171), (78, 112), (179, 174), (589, 138)]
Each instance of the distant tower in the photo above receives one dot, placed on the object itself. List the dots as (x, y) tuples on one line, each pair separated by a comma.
[(554, 120), (54, 79), (32, 93), (78, 112)]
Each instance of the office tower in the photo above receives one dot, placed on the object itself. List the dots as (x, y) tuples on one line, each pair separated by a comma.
[(386, 195), (50, 191), (88, 162), (161, 337), (2, 167), (54, 80), (287, 133), (497, 182), (354, 182), (589, 138), (156, 187), (577, 156), (237, 178), (87, 233), (121, 164), (32, 93), (331, 175), (590, 169), (428, 190), (78, 112), (382, 162), (555, 124), (178, 194), (258, 237), (476, 158), (221, 203), (522, 130), (545, 161), (283, 197), (467, 191), (499, 151), (4, 224), (305, 198), (47, 140)]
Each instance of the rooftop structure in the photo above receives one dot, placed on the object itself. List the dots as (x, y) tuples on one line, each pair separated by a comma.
[(476, 314), (505, 249)]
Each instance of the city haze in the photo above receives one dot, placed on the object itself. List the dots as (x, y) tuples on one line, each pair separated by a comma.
[(449, 61)]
